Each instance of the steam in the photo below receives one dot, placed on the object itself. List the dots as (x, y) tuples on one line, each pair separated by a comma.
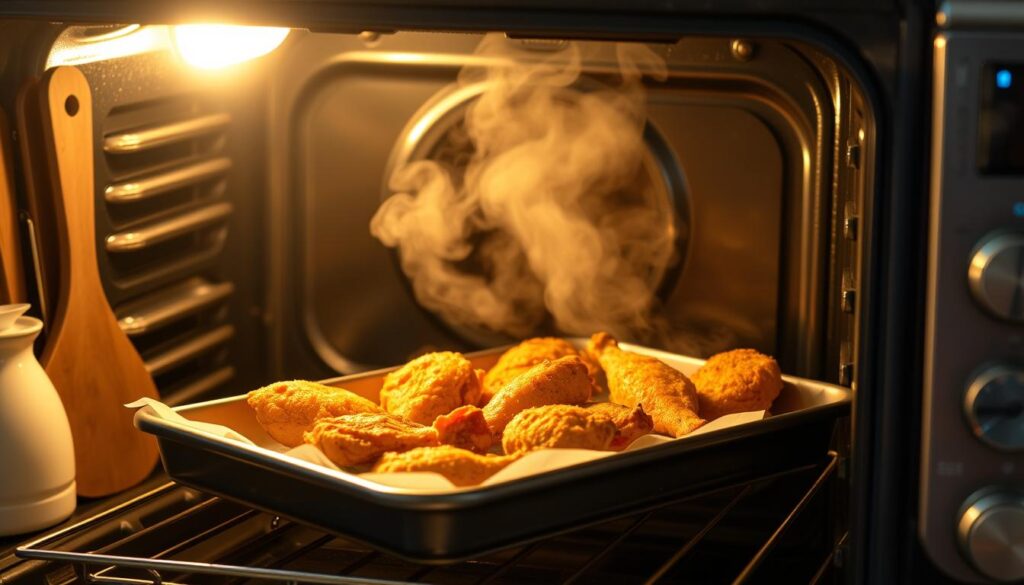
[(552, 217)]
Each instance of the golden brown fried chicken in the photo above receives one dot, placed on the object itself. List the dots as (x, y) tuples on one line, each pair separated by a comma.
[(520, 358), (664, 392), (740, 380), (558, 426), (288, 409), (460, 466), (358, 439), (429, 386), (466, 428), (630, 423), (562, 381)]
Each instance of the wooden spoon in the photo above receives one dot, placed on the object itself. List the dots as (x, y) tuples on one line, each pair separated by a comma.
[(12, 278), (91, 362)]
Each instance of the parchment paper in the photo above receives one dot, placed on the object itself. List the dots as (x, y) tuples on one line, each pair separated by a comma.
[(428, 482)]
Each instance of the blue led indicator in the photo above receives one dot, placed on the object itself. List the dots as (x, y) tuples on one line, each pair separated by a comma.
[(1003, 79), (1018, 209)]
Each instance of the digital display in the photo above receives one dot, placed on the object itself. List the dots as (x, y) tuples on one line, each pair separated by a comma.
[(1001, 122)]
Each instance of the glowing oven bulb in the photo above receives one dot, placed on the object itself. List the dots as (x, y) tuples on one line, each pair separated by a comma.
[(214, 46)]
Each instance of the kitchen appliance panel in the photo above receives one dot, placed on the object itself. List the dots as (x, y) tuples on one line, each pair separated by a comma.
[(973, 389)]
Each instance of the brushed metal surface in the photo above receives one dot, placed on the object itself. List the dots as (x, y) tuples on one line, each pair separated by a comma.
[(164, 134), (994, 405), (996, 275), (188, 350), (162, 231), (980, 14), (961, 336), (991, 534), (167, 181), (171, 304)]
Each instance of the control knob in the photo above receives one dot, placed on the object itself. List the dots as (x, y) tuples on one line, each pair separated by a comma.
[(994, 405), (996, 275), (991, 534)]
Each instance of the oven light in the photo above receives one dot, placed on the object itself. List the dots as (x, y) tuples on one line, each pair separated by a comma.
[(1004, 79), (214, 46)]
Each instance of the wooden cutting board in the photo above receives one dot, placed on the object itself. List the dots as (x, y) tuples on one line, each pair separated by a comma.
[(94, 367), (12, 278)]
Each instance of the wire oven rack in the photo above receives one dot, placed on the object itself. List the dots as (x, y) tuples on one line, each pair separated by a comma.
[(248, 545)]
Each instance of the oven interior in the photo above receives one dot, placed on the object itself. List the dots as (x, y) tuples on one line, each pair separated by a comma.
[(233, 209), (233, 206)]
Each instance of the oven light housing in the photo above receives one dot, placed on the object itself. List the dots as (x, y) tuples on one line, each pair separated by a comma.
[(216, 46)]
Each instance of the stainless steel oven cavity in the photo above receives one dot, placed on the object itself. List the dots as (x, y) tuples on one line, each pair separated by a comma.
[(786, 115)]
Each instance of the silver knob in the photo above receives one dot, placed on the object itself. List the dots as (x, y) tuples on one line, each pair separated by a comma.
[(994, 405), (991, 534), (996, 275)]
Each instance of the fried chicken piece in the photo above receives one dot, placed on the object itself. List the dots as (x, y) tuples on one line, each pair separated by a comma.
[(429, 386), (630, 423), (562, 381), (664, 392), (288, 409), (740, 380), (461, 467), (358, 439), (518, 359), (558, 426), (466, 428)]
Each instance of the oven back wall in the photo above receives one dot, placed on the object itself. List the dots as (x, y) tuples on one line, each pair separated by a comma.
[(733, 144)]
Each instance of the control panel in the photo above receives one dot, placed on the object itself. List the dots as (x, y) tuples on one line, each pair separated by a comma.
[(971, 517)]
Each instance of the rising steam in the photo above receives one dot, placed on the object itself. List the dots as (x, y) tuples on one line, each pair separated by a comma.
[(553, 215)]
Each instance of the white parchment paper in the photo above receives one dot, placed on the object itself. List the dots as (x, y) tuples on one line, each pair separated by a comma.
[(432, 483)]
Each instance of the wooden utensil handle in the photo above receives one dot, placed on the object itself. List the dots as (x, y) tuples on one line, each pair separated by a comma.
[(12, 277), (67, 104)]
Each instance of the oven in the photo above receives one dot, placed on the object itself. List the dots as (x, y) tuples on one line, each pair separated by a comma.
[(831, 183)]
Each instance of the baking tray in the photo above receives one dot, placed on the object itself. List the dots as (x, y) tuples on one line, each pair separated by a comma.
[(471, 521)]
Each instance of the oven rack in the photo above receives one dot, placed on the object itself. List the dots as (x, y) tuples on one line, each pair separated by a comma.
[(99, 566)]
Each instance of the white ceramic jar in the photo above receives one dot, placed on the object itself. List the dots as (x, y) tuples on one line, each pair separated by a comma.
[(37, 459)]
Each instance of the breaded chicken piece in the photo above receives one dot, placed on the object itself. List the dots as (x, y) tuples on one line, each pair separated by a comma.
[(562, 381), (466, 428), (461, 467), (518, 359), (664, 392), (429, 386), (630, 423), (740, 380), (558, 426), (288, 409), (358, 439)]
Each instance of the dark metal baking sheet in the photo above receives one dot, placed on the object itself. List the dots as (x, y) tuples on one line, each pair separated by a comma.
[(467, 522)]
